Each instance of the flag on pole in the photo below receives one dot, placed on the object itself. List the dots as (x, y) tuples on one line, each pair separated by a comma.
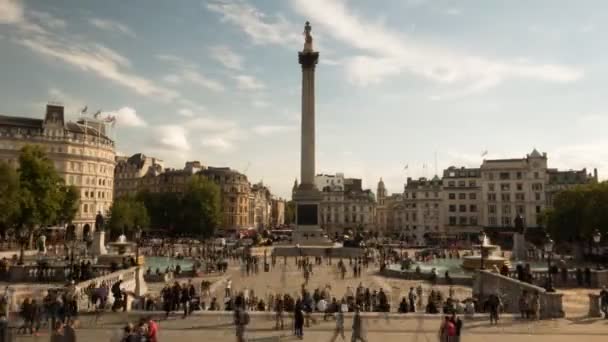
[(484, 153), (84, 110), (97, 114)]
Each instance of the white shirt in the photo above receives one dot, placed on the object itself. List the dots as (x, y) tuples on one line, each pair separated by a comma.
[(322, 305)]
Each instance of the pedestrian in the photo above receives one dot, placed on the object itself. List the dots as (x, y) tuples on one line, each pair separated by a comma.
[(57, 334), (458, 325), (69, 333), (535, 306), (524, 305), (298, 319), (359, 329), (228, 290), (604, 302), (339, 326), (241, 318), (279, 308), (494, 306), (412, 300)]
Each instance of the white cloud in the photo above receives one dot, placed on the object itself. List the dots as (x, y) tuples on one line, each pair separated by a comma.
[(261, 28), (209, 124), (246, 82), (126, 117), (217, 142), (170, 137), (11, 11), (187, 71), (47, 19), (265, 130), (384, 53), (111, 26), (98, 59), (453, 11), (227, 57), (260, 103), (185, 112)]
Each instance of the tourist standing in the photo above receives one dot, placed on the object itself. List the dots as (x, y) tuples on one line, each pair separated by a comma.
[(279, 308), (524, 305), (69, 333), (359, 330), (241, 318), (339, 326), (57, 334), (535, 306), (228, 290), (412, 299), (494, 306), (298, 320), (604, 301)]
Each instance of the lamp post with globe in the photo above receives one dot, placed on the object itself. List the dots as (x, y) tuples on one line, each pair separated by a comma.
[(597, 237), (549, 251), (482, 244)]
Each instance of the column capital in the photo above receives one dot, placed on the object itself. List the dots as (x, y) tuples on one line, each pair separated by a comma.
[(308, 59)]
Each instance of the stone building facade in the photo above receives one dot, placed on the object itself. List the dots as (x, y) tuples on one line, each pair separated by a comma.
[(260, 206), (169, 180), (345, 205), (129, 172), (423, 201), (81, 151), (278, 212), (235, 190), (462, 200), (564, 180)]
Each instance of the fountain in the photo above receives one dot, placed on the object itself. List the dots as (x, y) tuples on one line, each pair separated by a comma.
[(120, 250), (490, 256)]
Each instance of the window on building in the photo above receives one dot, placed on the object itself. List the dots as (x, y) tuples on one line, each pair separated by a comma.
[(504, 175), (472, 184), (536, 175), (538, 209), (505, 197), (506, 221), (85, 208), (452, 196), (436, 194), (473, 220), (506, 210), (492, 209), (452, 208), (520, 186), (462, 196), (518, 175), (520, 197), (521, 209), (537, 196), (491, 187), (492, 221), (472, 196), (462, 220), (451, 183), (537, 187), (462, 208), (462, 183), (452, 220), (492, 197), (490, 175), (473, 208), (505, 187)]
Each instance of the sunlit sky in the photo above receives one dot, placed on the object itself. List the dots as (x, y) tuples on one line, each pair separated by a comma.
[(400, 82)]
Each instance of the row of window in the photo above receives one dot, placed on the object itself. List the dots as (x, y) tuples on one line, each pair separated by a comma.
[(518, 186), (426, 194), (518, 197), (463, 220), (462, 196), (347, 218), (507, 221), (100, 194), (506, 209), (463, 208), (462, 183), (510, 175)]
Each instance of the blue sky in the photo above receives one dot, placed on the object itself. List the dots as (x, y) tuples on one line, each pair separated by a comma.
[(399, 81)]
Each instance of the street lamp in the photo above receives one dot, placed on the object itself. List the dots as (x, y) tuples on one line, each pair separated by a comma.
[(549, 251), (597, 237), (23, 235), (482, 244), (138, 233)]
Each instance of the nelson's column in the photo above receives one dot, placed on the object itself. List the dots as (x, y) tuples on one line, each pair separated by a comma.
[(307, 197)]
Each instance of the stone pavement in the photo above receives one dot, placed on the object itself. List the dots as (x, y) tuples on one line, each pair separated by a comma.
[(218, 327)]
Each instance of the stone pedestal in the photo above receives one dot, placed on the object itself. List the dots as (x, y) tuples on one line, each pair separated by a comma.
[(519, 247), (99, 243), (141, 288), (308, 232), (594, 305)]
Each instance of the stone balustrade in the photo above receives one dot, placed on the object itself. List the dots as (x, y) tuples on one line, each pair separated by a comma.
[(510, 290), (129, 284), (599, 278)]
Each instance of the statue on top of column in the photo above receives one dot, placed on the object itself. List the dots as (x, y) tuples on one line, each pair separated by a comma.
[(308, 39)]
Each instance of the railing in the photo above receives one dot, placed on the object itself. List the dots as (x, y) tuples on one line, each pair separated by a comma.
[(83, 289)]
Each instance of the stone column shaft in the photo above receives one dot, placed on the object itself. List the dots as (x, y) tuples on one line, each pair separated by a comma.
[(307, 167)]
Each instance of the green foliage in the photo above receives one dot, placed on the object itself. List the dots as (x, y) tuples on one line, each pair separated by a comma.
[(40, 189), (9, 200), (127, 215), (290, 212), (578, 212), (196, 212), (70, 199)]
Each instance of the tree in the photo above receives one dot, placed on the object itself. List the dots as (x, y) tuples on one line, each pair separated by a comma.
[(200, 208), (163, 208), (70, 201), (126, 215), (578, 212), (40, 195), (9, 201), (290, 212)]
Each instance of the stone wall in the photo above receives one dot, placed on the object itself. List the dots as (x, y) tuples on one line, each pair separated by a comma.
[(510, 290), (413, 275), (129, 284)]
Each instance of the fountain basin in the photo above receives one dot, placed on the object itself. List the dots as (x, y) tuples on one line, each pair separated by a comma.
[(473, 262)]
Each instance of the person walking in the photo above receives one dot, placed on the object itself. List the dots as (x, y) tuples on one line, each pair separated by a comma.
[(604, 302), (69, 333), (228, 290), (298, 320), (339, 326), (241, 318), (412, 299), (494, 306), (535, 306), (359, 329)]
